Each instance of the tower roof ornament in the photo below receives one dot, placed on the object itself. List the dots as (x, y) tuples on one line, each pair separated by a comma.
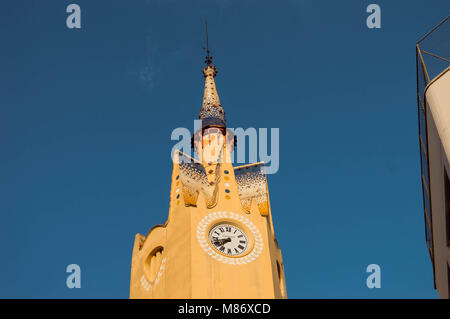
[(212, 114), (208, 58)]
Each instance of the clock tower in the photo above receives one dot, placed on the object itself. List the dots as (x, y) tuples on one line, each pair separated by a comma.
[(218, 240)]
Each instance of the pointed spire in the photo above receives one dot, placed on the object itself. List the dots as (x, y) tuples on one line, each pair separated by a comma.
[(212, 113)]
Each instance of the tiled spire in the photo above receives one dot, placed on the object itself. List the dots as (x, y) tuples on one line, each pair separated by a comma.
[(212, 113)]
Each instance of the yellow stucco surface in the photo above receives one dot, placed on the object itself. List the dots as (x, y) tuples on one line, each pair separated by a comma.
[(178, 259)]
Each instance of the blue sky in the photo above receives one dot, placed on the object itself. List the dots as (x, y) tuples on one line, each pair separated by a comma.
[(86, 117)]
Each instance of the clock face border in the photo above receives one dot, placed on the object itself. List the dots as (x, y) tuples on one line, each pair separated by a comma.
[(256, 245), (241, 227)]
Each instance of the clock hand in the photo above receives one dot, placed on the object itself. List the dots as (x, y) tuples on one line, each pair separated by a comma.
[(222, 241), (218, 242)]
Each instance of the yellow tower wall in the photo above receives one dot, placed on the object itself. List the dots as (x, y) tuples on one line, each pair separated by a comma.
[(187, 269)]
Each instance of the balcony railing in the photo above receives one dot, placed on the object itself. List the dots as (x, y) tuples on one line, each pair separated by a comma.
[(432, 57)]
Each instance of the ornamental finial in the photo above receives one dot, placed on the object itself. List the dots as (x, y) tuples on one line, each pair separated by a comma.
[(208, 58)]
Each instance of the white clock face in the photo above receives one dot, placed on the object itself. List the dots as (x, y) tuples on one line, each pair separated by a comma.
[(228, 239)]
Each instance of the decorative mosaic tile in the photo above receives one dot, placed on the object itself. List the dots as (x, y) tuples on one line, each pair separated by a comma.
[(252, 185), (194, 180)]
